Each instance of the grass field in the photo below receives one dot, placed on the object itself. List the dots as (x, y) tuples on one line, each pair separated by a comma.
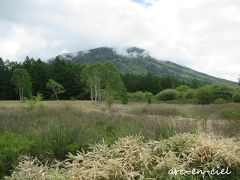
[(51, 129)]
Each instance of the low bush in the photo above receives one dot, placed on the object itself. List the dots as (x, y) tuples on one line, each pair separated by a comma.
[(33, 102), (167, 95), (182, 88), (236, 97), (137, 96), (221, 91), (219, 101), (203, 95), (149, 97), (189, 94), (11, 147)]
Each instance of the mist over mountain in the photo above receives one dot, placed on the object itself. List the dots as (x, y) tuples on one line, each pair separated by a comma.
[(138, 61)]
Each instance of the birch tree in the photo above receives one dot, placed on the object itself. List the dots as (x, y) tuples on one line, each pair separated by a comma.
[(103, 77), (56, 87), (93, 75), (22, 81)]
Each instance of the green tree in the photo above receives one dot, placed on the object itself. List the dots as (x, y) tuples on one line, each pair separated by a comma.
[(56, 87), (104, 78), (68, 74), (113, 84), (22, 81), (39, 72)]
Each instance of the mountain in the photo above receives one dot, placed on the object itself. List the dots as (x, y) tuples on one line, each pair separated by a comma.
[(138, 61)]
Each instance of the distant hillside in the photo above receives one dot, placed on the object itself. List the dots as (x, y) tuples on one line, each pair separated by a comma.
[(138, 61)]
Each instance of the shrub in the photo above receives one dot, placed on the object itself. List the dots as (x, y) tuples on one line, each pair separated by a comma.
[(203, 95), (182, 88), (148, 97), (189, 94), (137, 96), (11, 147), (167, 95), (32, 103), (221, 91), (219, 101), (236, 97)]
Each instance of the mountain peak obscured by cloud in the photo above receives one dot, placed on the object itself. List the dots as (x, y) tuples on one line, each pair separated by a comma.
[(200, 34)]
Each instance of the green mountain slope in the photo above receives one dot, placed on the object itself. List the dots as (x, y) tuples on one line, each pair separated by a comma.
[(137, 61)]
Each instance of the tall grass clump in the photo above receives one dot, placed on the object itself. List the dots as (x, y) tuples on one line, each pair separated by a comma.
[(56, 140), (11, 147)]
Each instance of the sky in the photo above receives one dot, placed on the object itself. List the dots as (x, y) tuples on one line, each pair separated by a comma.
[(200, 34)]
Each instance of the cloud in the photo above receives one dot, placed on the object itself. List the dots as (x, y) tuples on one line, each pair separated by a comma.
[(201, 34)]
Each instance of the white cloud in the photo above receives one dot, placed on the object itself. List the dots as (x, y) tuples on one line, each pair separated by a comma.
[(202, 34)]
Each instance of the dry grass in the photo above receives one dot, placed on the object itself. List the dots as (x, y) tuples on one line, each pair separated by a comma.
[(135, 158)]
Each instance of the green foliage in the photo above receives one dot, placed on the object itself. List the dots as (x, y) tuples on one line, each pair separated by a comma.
[(33, 102), (113, 85), (39, 72), (109, 100), (149, 97), (56, 87), (124, 96), (221, 91), (236, 97), (182, 88), (231, 114), (167, 95), (219, 101), (189, 94), (163, 131), (11, 147), (203, 95), (22, 81), (56, 141), (69, 75), (217, 93), (137, 96), (99, 77), (141, 97)]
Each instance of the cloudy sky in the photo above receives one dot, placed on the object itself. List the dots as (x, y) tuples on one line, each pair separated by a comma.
[(201, 34)]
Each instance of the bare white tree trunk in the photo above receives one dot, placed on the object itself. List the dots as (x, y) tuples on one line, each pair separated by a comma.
[(55, 93), (20, 90), (91, 89), (22, 94), (96, 92), (99, 90)]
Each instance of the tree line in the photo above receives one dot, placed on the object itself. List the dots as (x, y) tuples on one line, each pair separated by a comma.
[(61, 79)]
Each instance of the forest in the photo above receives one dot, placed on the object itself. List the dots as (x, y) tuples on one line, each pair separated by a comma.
[(69, 75)]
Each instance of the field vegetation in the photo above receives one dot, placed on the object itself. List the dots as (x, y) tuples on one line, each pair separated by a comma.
[(51, 130)]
